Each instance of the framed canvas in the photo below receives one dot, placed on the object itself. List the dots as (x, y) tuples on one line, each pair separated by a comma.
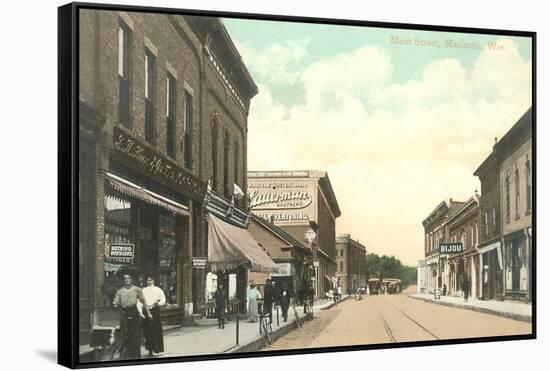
[(244, 185)]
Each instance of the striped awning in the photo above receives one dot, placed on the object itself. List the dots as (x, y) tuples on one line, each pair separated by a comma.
[(122, 186), (230, 247)]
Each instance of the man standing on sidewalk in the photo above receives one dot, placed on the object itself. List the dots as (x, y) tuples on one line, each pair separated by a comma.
[(269, 298), (466, 287), (219, 301), (126, 298), (155, 298)]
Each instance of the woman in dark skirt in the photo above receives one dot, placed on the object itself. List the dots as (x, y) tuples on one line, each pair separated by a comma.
[(154, 299)]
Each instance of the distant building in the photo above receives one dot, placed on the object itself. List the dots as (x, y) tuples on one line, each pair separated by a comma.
[(301, 202), (435, 233), (351, 263), (462, 226)]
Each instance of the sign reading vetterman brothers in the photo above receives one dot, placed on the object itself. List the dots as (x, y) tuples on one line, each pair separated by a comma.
[(283, 200), (451, 248)]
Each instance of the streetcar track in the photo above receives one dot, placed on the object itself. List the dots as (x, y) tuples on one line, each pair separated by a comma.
[(388, 330)]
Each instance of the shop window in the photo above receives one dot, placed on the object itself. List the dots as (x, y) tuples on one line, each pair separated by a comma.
[(507, 198), (187, 130), (167, 257), (171, 115), (516, 189), (528, 187), (150, 89), (124, 53), (118, 231)]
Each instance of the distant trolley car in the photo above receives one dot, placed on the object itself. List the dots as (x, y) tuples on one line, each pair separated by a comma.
[(374, 286), (392, 285)]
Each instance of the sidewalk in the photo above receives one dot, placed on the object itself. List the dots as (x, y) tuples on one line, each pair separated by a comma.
[(509, 309), (208, 339)]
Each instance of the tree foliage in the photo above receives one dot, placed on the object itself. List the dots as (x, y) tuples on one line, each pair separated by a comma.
[(389, 267)]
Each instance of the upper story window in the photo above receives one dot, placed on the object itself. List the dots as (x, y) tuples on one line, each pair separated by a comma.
[(495, 220), (507, 198), (215, 130), (486, 222), (187, 130), (528, 187), (226, 186), (236, 159), (171, 115), (150, 89), (124, 73), (516, 189)]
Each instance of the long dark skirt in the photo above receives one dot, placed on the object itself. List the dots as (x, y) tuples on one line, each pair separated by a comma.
[(152, 329), (130, 331)]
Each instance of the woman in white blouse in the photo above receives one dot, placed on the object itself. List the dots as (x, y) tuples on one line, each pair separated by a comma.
[(154, 299)]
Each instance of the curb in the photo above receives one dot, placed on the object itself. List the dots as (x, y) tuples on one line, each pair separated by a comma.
[(332, 304), (514, 316), (258, 343)]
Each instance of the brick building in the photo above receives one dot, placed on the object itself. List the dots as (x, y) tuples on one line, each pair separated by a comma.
[(298, 202), (163, 105), (351, 263), (462, 226), (435, 232), (490, 244), (514, 151)]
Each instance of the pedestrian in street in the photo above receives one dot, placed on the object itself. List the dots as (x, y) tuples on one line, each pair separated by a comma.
[(339, 292), (219, 302), (154, 299), (269, 299), (126, 299), (253, 297), (466, 288), (284, 300)]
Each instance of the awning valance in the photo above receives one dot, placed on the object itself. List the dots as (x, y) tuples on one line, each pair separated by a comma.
[(230, 247), (125, 187)]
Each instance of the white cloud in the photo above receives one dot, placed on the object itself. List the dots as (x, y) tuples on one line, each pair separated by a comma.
[(392, 151), (278, 64)]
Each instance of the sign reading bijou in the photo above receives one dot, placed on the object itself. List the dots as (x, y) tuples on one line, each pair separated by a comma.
[(148, 160), (451, 248)]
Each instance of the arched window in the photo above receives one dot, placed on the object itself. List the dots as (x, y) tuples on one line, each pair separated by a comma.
[(516, 190), (215, 130), (528, 186), (226, 185), (507, 198), (236, 159)]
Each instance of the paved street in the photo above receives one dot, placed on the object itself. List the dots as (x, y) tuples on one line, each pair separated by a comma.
[(394, 318)]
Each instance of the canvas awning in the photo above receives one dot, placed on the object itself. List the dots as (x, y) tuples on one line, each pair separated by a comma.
[(230, 247), (122, 186)]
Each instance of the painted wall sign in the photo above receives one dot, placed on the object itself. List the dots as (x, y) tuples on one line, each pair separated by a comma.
[(284, 200), (129, 150), (451, 248)]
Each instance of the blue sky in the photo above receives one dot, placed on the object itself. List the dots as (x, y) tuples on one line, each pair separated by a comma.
[(397, 127)]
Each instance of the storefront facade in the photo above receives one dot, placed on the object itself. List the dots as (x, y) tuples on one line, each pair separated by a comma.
[(464, 267), (516, 196), (350, 263), (155, 104), (439, 271), (293, 258), (301, 203)]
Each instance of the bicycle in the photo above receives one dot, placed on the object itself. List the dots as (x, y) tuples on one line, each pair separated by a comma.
[(266, 329)]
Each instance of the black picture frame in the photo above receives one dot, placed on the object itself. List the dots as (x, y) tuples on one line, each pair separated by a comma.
[(68, 185)]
